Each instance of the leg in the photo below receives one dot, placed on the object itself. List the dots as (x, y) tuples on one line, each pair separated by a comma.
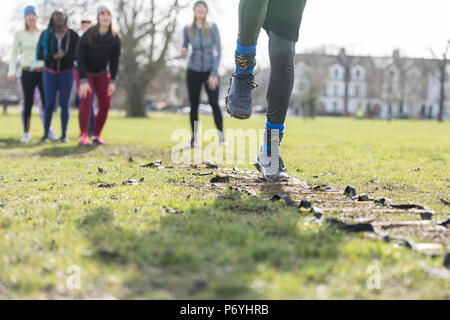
[(38, 102), (101, 84), (21, 100), (65, 89), (252, 14), (281, 83), (283, 34), (213, 98), (91, 122), (28, 90), (76, 100), (50, 85), (84, 112), (39, 78), (194, 85)]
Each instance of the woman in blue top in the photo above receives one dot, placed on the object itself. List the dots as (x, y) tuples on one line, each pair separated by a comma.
[(203, 65)]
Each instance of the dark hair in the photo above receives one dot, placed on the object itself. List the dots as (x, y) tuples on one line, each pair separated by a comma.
[(50, 24), (94, 33)]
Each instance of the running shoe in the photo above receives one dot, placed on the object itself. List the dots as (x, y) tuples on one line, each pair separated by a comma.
[(64, 140), (45, 140), (239, 99), (52, 135), (98, 140), (84, 141), (269, 161), (26, 138)]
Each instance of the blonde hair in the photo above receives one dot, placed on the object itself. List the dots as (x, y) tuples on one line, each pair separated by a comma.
[(205, 28), (27, 28)]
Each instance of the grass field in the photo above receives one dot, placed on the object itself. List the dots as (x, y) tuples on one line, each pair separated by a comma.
[(171, 237)]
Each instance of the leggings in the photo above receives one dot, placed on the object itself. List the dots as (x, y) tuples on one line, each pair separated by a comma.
[(252, 14), (77, 104), (37, 101), (54, 82), (99, 86), (31, 81), (195, 80)]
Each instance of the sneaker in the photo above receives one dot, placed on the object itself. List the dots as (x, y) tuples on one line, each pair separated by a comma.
[(45, 140), (98, 140), (52, 135), (269, 161), (84, 141), (239, 99), (26, 138), (64, 140)]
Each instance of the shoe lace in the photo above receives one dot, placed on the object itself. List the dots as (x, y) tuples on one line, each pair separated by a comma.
[(245, 61), (248, 79)]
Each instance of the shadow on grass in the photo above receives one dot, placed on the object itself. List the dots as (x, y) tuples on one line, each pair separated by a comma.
[(12, 143), (62, 151), (213, 251)]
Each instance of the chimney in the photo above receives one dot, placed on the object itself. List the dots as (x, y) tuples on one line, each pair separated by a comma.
[(396, 54)]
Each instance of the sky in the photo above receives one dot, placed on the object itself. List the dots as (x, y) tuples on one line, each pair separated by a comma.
[(366, 27)]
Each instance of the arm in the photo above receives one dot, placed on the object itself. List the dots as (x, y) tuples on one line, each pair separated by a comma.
[(217, 44), (40, 48), (185, 38), (81, 58), (14, 54), (186, 41), (114, 60)]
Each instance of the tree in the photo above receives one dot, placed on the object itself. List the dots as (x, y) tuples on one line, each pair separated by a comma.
[(75, 9), (146, 31), (442, 67), (346, 62), (312, 81)]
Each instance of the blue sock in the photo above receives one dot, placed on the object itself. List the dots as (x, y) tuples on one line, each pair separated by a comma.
[(273, 126), (240, 49)]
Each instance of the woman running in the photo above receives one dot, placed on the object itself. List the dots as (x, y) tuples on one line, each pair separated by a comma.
[(99, 47), (57, 48), (25, 42), (281, 19), (203, 65)]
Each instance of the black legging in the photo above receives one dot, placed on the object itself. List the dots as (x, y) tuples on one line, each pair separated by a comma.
[(31, 80), (252, 14), (194, 83)]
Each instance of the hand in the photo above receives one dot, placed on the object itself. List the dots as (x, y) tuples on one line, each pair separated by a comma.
[(183, 53), (12, 78), (84, 90), (213, 82), (59, 55), (111, 89)]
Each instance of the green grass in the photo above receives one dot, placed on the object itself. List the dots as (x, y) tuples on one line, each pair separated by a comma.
[(54, 216)]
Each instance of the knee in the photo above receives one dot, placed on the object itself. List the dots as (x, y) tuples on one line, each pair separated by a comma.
[(282, 52)]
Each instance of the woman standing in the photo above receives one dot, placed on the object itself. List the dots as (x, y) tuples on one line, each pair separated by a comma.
[(98, 48), (25, 42), (37, 101), (203, 65), (57, 47)]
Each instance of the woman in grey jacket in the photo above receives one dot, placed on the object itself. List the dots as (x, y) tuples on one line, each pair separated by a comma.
[(203, 65)]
